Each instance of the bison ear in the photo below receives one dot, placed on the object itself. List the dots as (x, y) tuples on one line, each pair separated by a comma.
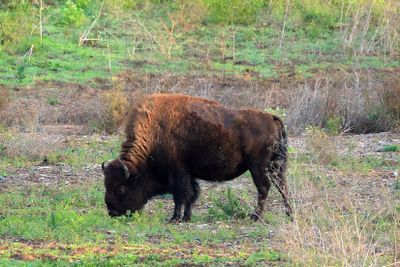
[(103, 165), (125, 168)]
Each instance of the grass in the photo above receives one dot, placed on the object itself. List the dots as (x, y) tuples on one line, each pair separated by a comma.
[(123, 45), (335, 224), (70, 224)]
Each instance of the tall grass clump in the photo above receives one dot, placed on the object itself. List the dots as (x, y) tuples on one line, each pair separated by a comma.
[(116, 104)]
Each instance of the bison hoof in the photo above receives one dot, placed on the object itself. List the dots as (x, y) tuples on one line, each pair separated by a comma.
[(255, 217), (186, 219), (174, 220)]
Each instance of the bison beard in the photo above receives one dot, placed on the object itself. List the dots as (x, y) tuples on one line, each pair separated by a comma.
[(173, 140)]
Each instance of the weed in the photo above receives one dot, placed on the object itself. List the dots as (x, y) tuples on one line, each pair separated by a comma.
[(52, 101), (390, 148), (230, 206), (319, 104)]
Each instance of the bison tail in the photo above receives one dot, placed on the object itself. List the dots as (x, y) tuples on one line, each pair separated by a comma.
[(281, 151), (278, 164)]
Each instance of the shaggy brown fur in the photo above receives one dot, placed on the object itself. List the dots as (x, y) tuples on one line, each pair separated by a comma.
[(173, 140)]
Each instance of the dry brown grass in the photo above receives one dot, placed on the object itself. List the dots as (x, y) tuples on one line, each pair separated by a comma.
[(4, 98), (22, 114), (32, 146), (339, 220), (337, 233)]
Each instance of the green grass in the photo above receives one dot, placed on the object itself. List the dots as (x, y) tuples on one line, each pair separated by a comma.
[(247, 48), (70, 224)]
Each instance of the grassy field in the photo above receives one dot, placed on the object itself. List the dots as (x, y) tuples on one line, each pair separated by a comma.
[(97, 41), (346, 197), (69, 68)]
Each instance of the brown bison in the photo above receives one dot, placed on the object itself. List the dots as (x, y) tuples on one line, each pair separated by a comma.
[(173, 140)]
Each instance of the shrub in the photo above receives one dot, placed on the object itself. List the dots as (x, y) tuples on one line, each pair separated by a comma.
[(234, 11), (356, 104), (334, 125), (320, 145)]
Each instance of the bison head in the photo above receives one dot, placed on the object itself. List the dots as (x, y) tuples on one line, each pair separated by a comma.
[(123, 192)]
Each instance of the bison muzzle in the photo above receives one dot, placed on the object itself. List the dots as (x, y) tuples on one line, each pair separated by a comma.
[(173, 140)]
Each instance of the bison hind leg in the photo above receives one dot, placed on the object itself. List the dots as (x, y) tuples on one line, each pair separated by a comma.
[(263, 185)]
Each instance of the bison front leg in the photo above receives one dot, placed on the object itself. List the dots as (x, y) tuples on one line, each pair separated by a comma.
[(192, 196), (176, 217)]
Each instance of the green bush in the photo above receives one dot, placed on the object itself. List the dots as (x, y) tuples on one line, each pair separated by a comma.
[(73, 12), (234, 11)]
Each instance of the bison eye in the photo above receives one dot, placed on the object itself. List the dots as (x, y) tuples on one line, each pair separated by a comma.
[(121, 190)]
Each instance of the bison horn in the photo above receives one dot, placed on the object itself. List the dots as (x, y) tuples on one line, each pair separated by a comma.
[(103, 165), (126, 171)]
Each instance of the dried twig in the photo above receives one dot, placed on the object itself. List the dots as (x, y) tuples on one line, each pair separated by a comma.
[(84, 36)]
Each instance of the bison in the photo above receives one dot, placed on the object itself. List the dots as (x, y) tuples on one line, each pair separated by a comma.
[(174, 140)]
